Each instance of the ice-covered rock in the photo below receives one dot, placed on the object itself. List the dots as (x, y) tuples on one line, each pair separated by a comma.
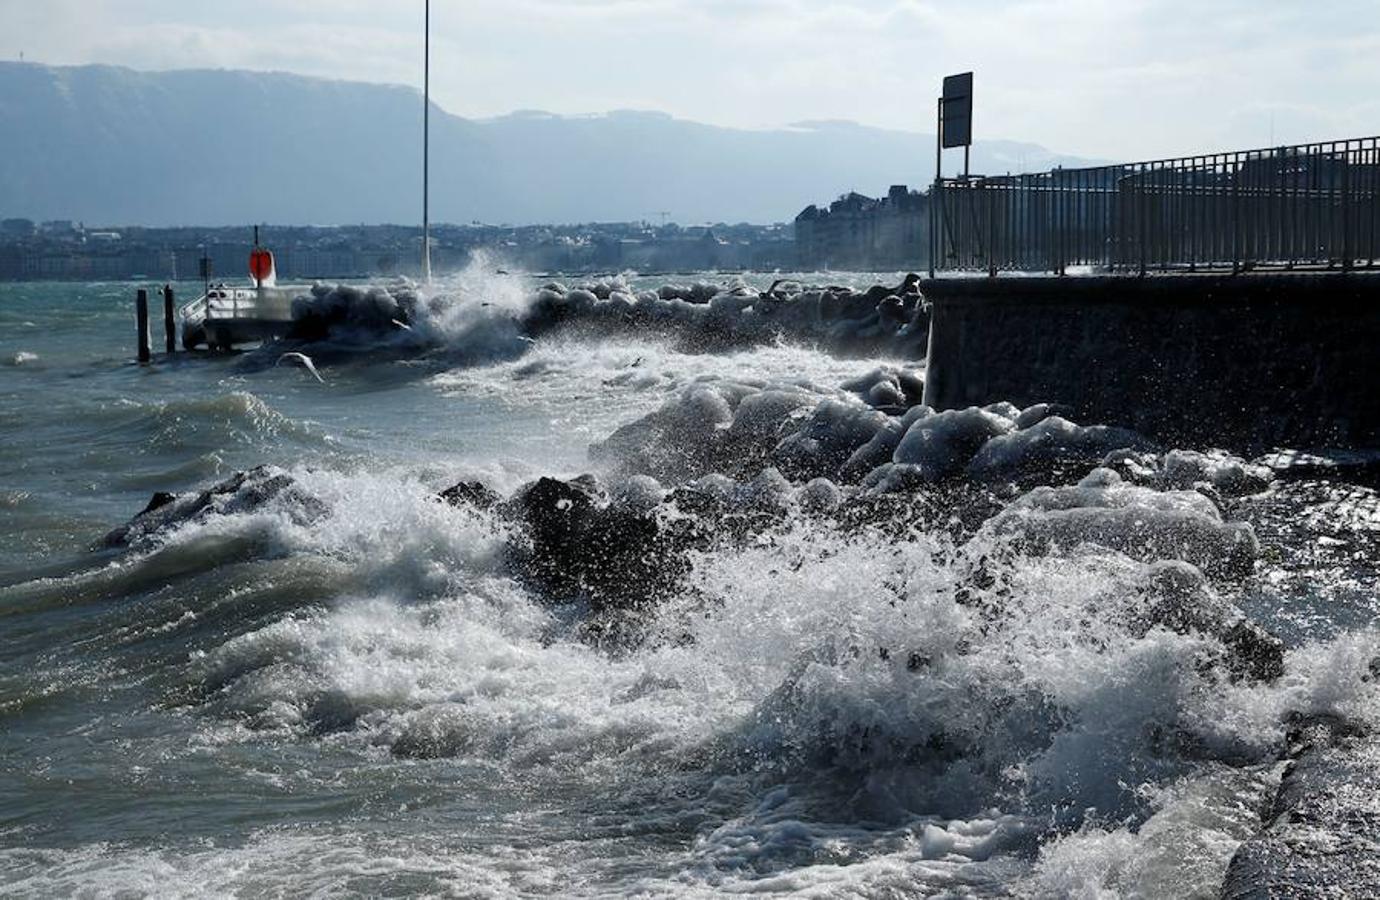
[(834, 431), (330, 309), (677, 442), (1142, 523), (942, 444), (761, 418), (881, 448), (888, 387), (882, 319), (1179, 597), (896, 478), (259, 488), (1229, 475), (1038, 412), (1050, 446), (640, 493), (819, 496), (769, 492)]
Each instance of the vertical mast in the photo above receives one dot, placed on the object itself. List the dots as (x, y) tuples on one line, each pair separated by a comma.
[(426, 155)]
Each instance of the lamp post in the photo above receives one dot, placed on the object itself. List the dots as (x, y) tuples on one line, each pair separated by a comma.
[(426, 153)]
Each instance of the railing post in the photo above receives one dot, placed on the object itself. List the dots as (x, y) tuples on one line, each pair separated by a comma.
[(934, 224), (169, 326), (1235, 214), (1346, 207), (141, 322), (991, 230), (1142, 220), (1065, 220)]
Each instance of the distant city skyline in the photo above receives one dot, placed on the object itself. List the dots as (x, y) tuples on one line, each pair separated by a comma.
[(1123, 79)]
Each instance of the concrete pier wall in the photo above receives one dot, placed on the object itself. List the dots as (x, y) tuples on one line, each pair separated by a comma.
[(1248, 361)]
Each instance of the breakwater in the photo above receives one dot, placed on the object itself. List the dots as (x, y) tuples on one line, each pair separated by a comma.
[(1246, 360)]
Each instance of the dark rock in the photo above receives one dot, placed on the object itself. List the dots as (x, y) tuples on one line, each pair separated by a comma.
[(1320, 836), (1181, 600), (159, 500), (471, 493), (579, 543), (328, 310), (242, 492), (893, 311)]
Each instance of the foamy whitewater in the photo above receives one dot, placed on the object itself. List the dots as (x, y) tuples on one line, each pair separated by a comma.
[(798, 634)]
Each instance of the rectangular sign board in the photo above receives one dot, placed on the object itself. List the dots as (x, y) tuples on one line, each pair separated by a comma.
[(958, 110)]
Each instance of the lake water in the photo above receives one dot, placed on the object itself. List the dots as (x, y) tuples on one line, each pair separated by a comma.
[(229, 709)]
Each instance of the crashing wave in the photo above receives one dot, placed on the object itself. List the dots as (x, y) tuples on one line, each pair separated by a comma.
[(484, 317), (969, 628)]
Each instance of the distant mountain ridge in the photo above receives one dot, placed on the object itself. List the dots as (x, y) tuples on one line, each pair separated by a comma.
[(112, 145)]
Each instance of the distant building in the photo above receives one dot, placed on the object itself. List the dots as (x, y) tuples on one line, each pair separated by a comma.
[(60, 228), (861, 233), (17, 228), (63, 251)]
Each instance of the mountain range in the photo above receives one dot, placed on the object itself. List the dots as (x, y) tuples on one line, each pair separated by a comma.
[(108, 145)]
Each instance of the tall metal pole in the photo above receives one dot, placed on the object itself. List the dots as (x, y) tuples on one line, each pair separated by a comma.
[(936, 242), (426, 154)]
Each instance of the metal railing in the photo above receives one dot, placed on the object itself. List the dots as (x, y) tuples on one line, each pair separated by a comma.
[(1311, 205), (228, 303)]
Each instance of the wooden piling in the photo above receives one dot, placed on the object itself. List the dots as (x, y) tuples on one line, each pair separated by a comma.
[(141, 319), (169, 325)]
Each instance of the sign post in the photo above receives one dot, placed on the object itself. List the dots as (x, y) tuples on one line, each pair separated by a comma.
[(953, 128), (956, 115)]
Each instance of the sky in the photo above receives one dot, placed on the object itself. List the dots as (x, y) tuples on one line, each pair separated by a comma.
[(1114, 79)]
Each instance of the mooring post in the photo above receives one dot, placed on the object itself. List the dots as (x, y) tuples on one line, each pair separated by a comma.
[(141, 320), (169, 327)]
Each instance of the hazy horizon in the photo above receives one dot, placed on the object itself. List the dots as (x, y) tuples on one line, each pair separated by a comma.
[(329, 152)]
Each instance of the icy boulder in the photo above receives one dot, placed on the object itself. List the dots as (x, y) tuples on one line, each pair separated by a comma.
[(882, 447), (819, 496), (1176, 596), (1048, 447), (1147, 525), (888, 387), (259, 489), (895, 478), (1229, 475), (942, 445), (709, 427), (334, 309), (1214, 472), (832, 434), (673, 443), (761, 418), (881, 320), (768, 492)]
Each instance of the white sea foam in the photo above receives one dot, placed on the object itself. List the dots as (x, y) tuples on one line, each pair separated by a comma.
[(858, 715)]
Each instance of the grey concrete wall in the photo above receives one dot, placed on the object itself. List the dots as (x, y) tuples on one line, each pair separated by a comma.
[(1248, 361)]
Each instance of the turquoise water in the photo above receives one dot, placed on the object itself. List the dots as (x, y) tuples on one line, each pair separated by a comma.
[(235, 709)]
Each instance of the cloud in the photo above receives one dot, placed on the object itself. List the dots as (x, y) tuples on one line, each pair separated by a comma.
[(1107, 78)]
